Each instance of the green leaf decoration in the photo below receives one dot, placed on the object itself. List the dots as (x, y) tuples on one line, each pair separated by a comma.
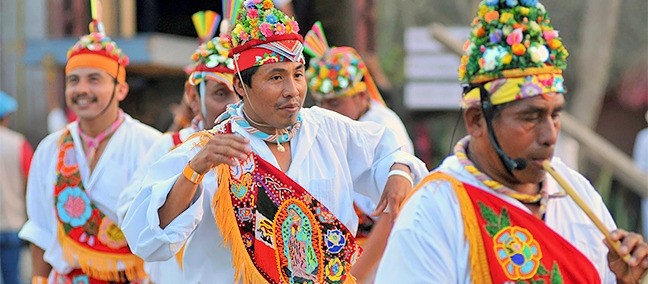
[(504, 221), (556, 277), (492, 219), (542, 271)]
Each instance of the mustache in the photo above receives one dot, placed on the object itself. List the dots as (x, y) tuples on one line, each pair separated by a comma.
[(76, 98), (288, 103)]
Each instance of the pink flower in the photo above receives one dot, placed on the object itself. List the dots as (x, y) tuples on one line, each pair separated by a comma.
[(514, 37), (281, 29), (549, 35), (295, 26), (253, 13), (75, 206), (258, 1), (244, 36), (266, 29)]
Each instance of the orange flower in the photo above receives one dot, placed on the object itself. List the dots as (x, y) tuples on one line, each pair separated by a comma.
[(519, 49), (267, 4), (491, 16), (554, 43), (480, 32)]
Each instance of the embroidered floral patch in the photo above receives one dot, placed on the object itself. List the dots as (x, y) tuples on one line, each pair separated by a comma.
[(73, 206), (335, 241), (111, 235), (517, 252), (334, 270)]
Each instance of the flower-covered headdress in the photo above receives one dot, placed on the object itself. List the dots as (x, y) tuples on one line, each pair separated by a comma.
[(262, 34), (337, 71), (210, 61), (97, 50), (514, 50)]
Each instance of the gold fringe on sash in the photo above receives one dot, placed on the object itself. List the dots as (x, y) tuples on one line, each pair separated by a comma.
[(224, 214), (101, 265), (478, 260)]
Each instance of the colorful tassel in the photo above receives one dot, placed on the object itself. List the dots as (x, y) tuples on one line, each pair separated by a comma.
[(205, 23), (315, 43)]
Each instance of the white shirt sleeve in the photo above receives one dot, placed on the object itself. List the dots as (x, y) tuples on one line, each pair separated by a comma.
[(427, 243), (141, 225), (40, 228), (156, 151), (371, 153)]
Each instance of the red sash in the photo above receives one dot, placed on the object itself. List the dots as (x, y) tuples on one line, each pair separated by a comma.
[(513, 244), (279, 232), (87, 236)]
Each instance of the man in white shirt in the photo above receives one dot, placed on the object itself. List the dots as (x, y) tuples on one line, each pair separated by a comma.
[(491, 213), (79, 171), (274, 178), (208, 90), (339, 80)]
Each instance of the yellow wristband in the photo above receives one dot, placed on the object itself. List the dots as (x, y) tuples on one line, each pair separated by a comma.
[(192, 175), (39, 279)]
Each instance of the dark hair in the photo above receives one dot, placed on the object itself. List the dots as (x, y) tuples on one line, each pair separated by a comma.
[(246, 77)]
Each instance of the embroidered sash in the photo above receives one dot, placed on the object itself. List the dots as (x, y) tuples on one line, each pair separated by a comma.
[(87, 236), (279, 232), (509, 244)]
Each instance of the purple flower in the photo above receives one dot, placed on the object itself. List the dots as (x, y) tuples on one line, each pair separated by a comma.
[(496, 36), (530, 89)]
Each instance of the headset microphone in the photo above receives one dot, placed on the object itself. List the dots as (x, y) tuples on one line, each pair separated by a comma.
[(487, 108)]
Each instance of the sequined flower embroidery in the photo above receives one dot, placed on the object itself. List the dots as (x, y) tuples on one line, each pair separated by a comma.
[(335, 241), (334, 269)]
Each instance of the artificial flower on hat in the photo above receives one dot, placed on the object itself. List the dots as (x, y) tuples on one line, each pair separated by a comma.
[(336, 71), (212, 53), (511, 38), (97, 50), (97, 42), (263, 34), (514, 51)]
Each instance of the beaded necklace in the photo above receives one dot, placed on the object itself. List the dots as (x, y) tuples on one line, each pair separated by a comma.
[(460, 152), (280, 136)]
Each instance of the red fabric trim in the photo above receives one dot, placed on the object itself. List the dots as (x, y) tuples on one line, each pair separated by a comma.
[(176, 138), (574, 266), (255, 42), (218, 69), (26, 154)]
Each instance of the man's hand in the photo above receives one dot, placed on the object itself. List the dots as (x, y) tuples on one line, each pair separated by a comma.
[(221, 149), (396, 189), (631, 244)]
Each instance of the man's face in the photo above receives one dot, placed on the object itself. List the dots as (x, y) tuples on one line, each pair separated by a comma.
[(528, 129), (88, 92), (217, 97), (277, 94), (351, 106)]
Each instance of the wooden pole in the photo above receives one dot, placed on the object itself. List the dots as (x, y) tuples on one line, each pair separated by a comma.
[(593, 62), (127, 18)]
